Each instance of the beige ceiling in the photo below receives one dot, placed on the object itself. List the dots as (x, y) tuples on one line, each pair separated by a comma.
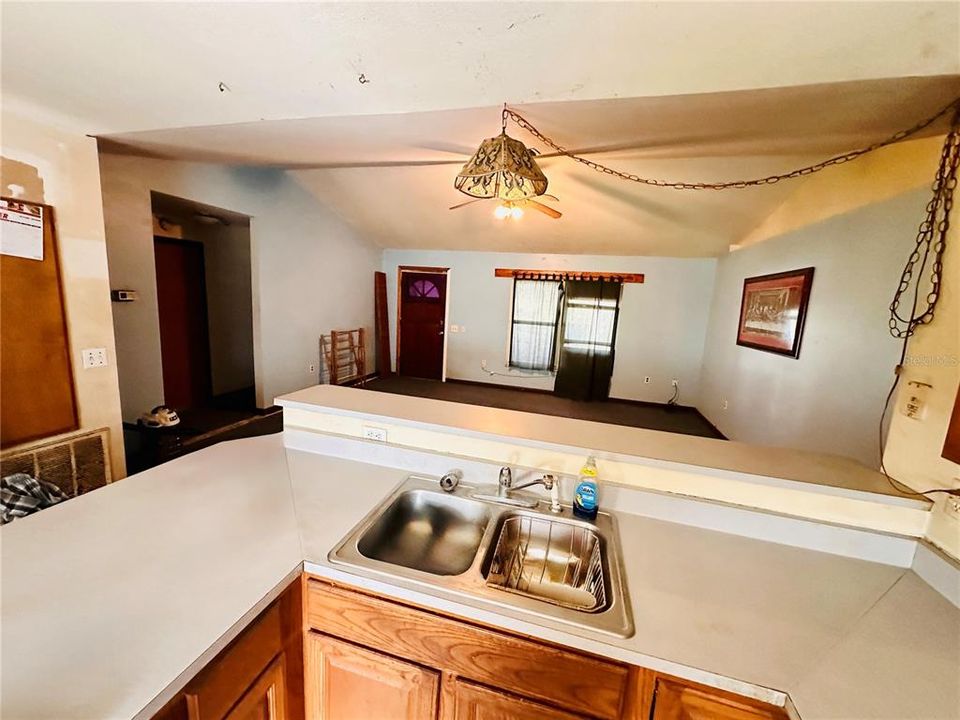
[(391, 176), (113, 67), (364, 102)]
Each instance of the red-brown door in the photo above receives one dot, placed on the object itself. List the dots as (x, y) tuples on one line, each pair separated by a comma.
[(184, 337), (423, 302)]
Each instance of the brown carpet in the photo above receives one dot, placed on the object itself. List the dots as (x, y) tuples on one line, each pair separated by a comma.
[(677, 419)]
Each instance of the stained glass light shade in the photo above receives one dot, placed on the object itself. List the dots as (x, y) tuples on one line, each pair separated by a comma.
[(502, 168)]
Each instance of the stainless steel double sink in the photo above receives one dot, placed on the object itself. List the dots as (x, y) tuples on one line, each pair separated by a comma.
[(549, 565)]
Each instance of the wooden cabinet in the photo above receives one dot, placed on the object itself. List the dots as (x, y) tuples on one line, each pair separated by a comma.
[(463, 700), (676, 700), (575, 682), (258, 676), (327, 652), (348, 682), (266, 699)]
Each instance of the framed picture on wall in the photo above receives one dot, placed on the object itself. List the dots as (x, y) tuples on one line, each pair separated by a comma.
[(772, 311)]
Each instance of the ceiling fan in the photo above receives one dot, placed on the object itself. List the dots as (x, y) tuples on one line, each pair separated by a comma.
[(514, 208)]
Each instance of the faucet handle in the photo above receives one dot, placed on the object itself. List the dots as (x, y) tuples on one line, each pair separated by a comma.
[(506, 477)]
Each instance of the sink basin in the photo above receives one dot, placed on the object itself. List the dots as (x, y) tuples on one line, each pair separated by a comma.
[(427, 531), (558, 561), (532, 563)]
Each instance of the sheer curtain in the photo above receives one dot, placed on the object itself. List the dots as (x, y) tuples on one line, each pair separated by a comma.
[(536, 308), (590, 312)]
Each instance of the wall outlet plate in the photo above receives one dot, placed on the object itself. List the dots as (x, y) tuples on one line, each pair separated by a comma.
[(951, 506), (374, 433), (646, 380), (675, 382), (94, 357)]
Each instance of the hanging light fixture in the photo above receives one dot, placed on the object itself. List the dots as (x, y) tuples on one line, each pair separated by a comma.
[(502, 168)]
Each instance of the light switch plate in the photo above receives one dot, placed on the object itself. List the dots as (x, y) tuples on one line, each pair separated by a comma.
[(94, 357)]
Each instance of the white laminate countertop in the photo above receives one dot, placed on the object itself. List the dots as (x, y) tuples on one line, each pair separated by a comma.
[(113, 598), (771, 462)]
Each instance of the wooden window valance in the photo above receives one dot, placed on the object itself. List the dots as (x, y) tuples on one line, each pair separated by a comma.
[(568, 275)]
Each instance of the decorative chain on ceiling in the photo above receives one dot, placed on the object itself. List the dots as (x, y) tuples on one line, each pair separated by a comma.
[(733, 184), (931, 237)]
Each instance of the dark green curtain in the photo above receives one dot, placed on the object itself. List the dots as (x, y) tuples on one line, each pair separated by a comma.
[(590, 310)]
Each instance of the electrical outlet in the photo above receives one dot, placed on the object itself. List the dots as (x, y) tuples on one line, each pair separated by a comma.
[(646, 380), (311, 368), (374, 433), (483, 364), (94, 358), (675, 383), (951, 506), (726, 405)]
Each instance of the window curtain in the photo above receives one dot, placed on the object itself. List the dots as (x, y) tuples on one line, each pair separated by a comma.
[(590, 310), (536, 308)]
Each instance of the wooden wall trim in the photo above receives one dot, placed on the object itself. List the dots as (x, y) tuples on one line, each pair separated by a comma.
[(568, 275)]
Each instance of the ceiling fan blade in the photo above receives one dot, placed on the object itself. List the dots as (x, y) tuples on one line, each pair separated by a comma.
[(545, 209), (468, 202)]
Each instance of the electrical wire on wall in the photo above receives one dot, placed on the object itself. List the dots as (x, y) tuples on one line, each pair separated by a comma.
[(919, 287)]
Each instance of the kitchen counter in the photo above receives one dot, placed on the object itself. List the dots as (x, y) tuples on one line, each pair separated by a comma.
[(102, 616), (773, 462)]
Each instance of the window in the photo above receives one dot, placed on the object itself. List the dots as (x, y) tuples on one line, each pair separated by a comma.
[(533, 330), (423, 289), (589, 324)]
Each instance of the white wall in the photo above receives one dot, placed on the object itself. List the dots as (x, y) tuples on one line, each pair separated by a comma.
[(59, 167), (229, 282), (311, 272), (913, 446), (856, 223), (830, 398), (660, 332)]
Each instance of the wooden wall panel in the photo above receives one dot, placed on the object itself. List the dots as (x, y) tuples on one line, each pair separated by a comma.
[(36, 378), (951, 445)]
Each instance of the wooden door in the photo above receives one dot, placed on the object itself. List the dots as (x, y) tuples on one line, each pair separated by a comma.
[(182, 309), (266, 699), (677, 701), (423, 306), (463, 700), (347, 682)]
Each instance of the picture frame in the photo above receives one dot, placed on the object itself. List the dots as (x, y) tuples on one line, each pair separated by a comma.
[(773, 311)]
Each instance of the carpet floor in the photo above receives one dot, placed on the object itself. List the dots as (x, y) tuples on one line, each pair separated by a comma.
[(676, 419)]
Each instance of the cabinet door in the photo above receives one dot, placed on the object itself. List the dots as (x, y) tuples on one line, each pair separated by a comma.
[(462, 700), (675, 701), (347, 682), (266, 699)]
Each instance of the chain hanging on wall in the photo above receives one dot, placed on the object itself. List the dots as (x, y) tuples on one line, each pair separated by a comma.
[(931, 241)]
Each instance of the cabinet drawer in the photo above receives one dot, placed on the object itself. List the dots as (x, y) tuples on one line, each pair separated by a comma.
[(570, 680), (676, 700)]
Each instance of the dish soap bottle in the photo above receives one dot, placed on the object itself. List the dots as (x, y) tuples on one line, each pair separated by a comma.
[(585, 499)]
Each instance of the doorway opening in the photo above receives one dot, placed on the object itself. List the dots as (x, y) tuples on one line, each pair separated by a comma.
[(422, 321), (204, 293)]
